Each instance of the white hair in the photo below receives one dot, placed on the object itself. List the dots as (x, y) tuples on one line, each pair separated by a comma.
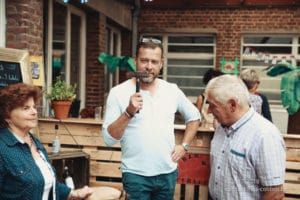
[(226, 87)]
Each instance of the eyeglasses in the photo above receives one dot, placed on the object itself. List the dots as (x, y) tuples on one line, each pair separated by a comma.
[(153, 40)]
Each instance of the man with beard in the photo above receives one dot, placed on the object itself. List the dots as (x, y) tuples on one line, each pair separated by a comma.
[(143, 122)]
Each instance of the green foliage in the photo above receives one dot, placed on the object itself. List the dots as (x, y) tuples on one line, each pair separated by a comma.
[(61, 91), (112, 62), (289, 86)]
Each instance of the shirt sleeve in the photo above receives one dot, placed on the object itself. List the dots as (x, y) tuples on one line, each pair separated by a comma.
[(187, 108), (271, 160), (112, 112)]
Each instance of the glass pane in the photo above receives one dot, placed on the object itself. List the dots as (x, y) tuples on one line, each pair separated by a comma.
[(75, 50), (192, 92), (272, 50), (191, 39), (59, 29), (190, 49), (208, 62), (184, 82), (268, 40), (186, 71)]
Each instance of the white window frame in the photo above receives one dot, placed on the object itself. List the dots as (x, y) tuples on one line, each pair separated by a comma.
[(70, 10), (2, 23), (114, 49)]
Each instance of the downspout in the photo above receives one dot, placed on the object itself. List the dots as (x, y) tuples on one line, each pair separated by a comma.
[(135, 17)]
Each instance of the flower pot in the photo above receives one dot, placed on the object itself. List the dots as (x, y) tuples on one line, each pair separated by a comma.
[(61, 109)]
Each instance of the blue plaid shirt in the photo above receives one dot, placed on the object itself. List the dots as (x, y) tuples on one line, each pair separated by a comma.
[(20, 177), (245, 157)]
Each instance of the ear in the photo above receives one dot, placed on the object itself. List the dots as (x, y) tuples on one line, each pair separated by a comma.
[(232, 103)]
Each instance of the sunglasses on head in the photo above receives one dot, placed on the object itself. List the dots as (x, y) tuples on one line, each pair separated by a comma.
[(153, 40)]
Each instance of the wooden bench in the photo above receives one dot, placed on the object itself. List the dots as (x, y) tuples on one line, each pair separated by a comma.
[(292, 178)]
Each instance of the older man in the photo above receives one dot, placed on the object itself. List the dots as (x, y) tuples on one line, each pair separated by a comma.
[(247, 151)]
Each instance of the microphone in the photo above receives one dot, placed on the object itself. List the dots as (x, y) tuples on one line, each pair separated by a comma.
[(138, 75)]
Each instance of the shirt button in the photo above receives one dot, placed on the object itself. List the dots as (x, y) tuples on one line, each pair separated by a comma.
[(223, 151), (216, 183), (219, 167)]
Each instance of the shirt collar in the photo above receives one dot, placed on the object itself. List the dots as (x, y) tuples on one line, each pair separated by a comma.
[(234, 127)]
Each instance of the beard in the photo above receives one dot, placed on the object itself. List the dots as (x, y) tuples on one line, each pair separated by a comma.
[(150, 79)]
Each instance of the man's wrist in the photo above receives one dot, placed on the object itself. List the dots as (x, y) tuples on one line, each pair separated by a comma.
[(186, 146), (128, 114)]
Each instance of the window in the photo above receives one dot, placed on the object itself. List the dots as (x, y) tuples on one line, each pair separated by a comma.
[(187, 58), (113, 47), (265, 49), (66, 41)]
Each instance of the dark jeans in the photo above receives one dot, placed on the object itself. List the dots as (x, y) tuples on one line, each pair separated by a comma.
[(160, 187)]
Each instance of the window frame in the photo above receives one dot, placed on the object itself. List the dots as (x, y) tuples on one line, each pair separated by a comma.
[(273, 87)]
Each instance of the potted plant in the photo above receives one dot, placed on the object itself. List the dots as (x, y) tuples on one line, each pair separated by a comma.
[(61, 97)]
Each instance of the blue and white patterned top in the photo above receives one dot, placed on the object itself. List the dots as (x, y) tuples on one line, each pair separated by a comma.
[(244, 157), (256, 102)]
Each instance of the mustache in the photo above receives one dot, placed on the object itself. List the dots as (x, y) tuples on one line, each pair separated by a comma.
[(138, 74)]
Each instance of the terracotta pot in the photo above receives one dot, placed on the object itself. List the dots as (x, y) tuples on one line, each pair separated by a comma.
[(61, 109)]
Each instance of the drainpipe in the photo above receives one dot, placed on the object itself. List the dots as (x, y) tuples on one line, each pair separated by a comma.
[(135, 17)]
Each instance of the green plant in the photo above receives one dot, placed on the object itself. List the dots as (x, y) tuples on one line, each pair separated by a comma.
[(289, 86), (61, 91)]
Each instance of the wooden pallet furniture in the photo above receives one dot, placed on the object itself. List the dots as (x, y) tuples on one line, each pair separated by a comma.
[(78, 163), (85, 134), (292, 177)]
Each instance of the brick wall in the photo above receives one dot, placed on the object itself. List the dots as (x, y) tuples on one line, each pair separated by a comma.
[(94, 69), (228, 24), (24, 29)]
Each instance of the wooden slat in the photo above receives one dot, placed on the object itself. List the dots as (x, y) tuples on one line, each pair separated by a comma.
[(293, 166), (291, 188), (203, 192), (292, 141), (105, 169), (104, 155), (118, 185), (292, 177), (293, 154), (177, 192), (189, 192)]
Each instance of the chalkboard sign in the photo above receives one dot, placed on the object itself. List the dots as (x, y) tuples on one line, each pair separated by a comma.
[(10, 73), (14, 67)]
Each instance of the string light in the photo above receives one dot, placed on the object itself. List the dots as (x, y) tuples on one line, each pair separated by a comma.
[(81, 1)]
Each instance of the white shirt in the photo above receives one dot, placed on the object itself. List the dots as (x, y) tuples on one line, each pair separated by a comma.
[(48, 175), (148, 140)]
